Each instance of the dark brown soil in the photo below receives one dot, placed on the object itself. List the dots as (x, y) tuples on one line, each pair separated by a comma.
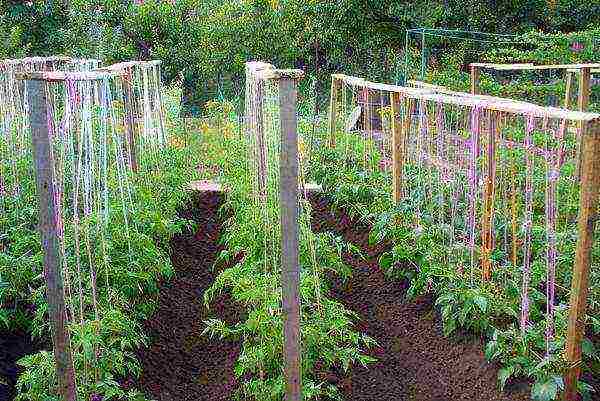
[(415, 361), (13, 346), (180, 363)]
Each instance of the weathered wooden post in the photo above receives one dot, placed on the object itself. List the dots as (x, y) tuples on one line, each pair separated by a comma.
[(475, 75), (568, 89), (288, 203), (588, 215), (130, 119), (489, 197), (583, 99), (368, 133), (336, 86), (397, 145), (49, 223)]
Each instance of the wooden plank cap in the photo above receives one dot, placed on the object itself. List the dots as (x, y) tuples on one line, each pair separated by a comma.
[(282, 74)]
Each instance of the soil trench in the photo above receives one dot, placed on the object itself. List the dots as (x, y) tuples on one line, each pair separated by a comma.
[(180, 363), (415, 361)]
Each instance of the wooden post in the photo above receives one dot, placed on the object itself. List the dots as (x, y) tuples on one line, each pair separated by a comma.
[(489, 198), (261, 142), (588, 209), (130, 125), (368, 140), (336, 85), (583, 100), (49, 222), (397, 146), (568, 89), (290, 270), (475, 74)]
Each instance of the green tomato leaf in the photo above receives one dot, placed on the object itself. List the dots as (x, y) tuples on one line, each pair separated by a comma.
[(482, 302), (544, 391)]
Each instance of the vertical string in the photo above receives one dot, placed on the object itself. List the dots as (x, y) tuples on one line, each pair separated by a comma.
[(527, 225)]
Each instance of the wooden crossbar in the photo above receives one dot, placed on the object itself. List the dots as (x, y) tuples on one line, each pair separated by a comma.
[(129, 64), (593, 70), (59, 76), (531, 66), (481, 101)]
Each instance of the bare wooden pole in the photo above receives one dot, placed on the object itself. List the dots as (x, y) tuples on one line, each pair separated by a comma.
[(588, 209), (475, 74), (583, 100), (49, 226), (568, 89), (260, 140), (397, 146), (367, 128), (336, 86), (290, 270), (489, 197), (130, 124)]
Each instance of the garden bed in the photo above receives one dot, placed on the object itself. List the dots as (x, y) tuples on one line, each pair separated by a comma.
[(415, 360), (180, 363)]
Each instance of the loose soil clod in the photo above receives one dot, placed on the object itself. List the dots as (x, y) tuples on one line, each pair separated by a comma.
[(180, 363), (416, 362)]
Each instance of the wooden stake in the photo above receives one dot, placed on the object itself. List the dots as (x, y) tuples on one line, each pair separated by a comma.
[(489, 198), (290, 270), (588, 214), (336, 86), (368, 140), (568, 89), (397, 146), (475, 74), (583, 100), (261, 141), (130, 125), (49, 228)]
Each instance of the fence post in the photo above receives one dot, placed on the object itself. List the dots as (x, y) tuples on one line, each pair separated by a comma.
[(336, 86), (588, 209), (475, 74), (288, 202), (49, 229), (397, 146)]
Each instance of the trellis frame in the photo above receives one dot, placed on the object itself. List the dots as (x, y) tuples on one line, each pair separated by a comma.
[(589, 183), (44, 162), (36, 83)]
